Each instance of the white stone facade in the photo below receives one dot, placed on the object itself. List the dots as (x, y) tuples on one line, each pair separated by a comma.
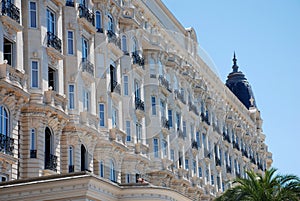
[(116, 88)]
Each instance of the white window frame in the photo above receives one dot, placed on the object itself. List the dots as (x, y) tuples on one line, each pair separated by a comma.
[(34, 14), (86, 100), (32, 139), (101, 113), (128, 131), (153, 105), (126, 85), (71, 104), (155, 148), (34, 72), (70, 42)]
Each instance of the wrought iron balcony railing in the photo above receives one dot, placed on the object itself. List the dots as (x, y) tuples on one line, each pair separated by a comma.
[(137, 59), (139, 104), (193, 108), (87, 66), (6, 144), (165, 123), (51, 162), (53, 41), (32, 153), (71, 168), (164, 82), (85, 13), (112, 38), (115, 87), (9, 9), (194, 144), (179, 96)]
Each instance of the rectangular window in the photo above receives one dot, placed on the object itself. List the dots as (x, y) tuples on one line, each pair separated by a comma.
[(178, 119), (172, 153), (51, 25), (198, 138), (128, 131), (194, 167), (8, 51), (164, 148), (101, 169), (184, 128), (85, 46), (86, 100), (52, 78), (204, 141), (153, 105), (125, 85), (114, 118), (33, 144), (101, 114), (192, 132), (170, 118), (199, 171), (162, 109), (155, 147), (34, 74), (127, 178), (32, 14), (212, 180), (71, 162), (138, 132), (70, 42), (186, 162), (71, 96)]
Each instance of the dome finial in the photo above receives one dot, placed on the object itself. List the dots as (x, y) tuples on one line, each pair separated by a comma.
[(235, 67)]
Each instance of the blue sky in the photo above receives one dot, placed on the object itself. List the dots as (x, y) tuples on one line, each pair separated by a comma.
[(266, 38)]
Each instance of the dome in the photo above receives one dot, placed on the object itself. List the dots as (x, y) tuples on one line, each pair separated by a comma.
[(239, 85)]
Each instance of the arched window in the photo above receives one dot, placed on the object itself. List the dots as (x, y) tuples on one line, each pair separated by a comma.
[(50, 158), (4, 121), (84, 158), (112, 171), (124, 44), (101, 169), (99, 21), (134, 45), (110, 25)]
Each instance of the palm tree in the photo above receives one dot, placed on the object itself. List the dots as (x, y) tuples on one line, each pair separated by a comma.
[(267, 187)]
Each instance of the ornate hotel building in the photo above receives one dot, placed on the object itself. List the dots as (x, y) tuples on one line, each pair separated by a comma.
[(109, 100)]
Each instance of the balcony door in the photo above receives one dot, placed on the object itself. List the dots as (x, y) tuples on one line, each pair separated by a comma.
[(48, 148), (84, 160), (50, 21)]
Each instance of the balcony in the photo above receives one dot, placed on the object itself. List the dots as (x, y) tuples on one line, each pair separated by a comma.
[(53, 41), (13, 76), (86, 14), (137, 59), (114, 43), (228, 169), (165, 123), (10, 10), (87, 66), (115, 87), (193, 108), (205, 118), (71, 168), (6, 144), (51, 162), (139, 104), (179, 96), (32, 153), (164, 84)]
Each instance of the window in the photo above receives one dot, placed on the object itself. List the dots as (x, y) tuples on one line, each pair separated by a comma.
[(34, 74), (194, 167), (127, 178), (71, 96), (134, 45), (8, 51), (204, 141), (164, 148), (32, 14), (112, 171), (184, 128), (162, 109), (138, 132), (101, 114), (51, 21), (3, 178), (124, 44), (86, 100), (52, 80), (199, 171), (152, 68), (198, 138), (155, 147), (110, 25), (172, 153), (71, 159), (126, 85), (170, 118), (128, 131), (192, 132), (212, 181), (114, 118), (99, 22), (70, 42), (137, 90), (101, 169), (153, 105), (32, 144), (85, 46), (178, 119), (186, 162)]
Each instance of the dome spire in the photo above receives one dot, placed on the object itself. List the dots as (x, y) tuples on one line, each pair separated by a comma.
[(235, 67)]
